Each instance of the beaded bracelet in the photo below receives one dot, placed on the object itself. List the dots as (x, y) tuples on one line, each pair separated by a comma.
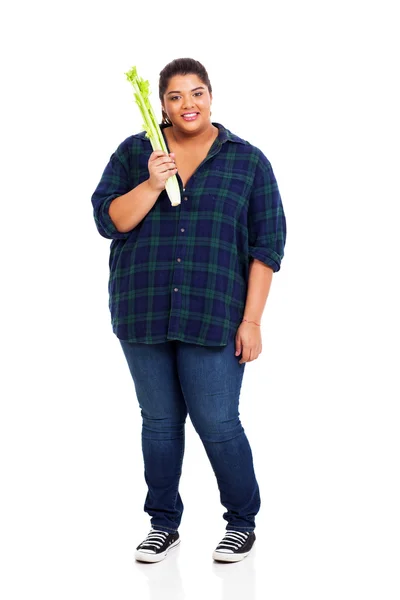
[(251, 322)]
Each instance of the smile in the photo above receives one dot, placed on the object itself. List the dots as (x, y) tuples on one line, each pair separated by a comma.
[(190, 116)]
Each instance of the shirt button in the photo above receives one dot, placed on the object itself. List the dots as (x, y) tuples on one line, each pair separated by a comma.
[(175, 289), (185, 198), (178, 259), (183, 229)]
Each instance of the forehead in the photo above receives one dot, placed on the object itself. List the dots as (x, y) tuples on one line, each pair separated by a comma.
[(184, 82)]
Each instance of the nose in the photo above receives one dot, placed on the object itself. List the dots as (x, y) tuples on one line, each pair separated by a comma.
[(188, 102)]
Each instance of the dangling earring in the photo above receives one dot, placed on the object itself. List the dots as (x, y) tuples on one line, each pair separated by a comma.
[(165, 120)]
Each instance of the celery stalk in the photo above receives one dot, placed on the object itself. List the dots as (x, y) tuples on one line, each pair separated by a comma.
[(153, 131)]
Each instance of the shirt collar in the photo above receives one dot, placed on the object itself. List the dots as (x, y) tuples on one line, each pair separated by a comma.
[(227, 136), (224, 134)]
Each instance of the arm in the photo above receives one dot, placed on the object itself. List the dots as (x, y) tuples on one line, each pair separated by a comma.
[(248, 336), (115, 181), (267, 236), (266, 217), (128, 210), (119, 205), (260, 279)]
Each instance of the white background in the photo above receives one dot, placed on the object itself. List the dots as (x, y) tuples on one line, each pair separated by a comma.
[(314, 85)]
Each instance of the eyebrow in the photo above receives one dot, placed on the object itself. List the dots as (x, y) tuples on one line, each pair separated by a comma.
[(193, 90)]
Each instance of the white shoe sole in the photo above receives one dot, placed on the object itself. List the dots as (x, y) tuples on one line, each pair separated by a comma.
[(152, 558), (221, 556)]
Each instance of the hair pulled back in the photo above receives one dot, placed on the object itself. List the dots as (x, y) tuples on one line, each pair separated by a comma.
[(181, 66)]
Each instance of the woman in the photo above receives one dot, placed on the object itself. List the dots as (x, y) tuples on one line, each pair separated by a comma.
[(188, 285)]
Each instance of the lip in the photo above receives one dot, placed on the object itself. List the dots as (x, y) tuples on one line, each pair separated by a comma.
[(189, 119)]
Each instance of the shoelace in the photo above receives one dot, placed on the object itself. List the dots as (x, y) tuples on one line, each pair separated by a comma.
[(154, 538), (233, 540)]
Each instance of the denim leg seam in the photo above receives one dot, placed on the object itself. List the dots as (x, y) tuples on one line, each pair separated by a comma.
[(180, 460), (176, 495)]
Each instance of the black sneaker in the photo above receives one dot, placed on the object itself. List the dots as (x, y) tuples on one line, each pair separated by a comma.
[(155, 547), (234, 546)]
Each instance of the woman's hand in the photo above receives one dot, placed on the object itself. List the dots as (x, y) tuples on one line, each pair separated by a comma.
[(248, 342), (161, 166)]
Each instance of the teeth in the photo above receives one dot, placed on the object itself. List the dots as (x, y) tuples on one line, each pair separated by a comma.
[(190, 115)]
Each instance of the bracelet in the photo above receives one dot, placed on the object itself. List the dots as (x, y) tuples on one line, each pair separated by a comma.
[(251, 322)]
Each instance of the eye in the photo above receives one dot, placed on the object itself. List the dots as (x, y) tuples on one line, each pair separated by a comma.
[(198, 93), (174, 97)]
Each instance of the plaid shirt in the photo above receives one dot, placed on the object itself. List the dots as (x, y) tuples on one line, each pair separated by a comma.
[(182, 272)]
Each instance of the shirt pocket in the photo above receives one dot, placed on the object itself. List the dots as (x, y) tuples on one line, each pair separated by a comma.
[(235, 188), (224, 193)]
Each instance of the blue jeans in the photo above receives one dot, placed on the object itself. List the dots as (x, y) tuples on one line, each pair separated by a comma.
[(171, 380)]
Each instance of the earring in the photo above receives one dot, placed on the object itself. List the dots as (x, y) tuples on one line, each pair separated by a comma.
[(166, 120)]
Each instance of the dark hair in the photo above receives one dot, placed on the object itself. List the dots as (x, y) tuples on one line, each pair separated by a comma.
[(181, 66)]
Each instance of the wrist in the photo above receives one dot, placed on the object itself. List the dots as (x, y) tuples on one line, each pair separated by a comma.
[(251, 321), (152, 188)]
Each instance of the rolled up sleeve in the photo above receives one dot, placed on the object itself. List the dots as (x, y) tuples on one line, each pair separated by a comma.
[(266, 217), (113, 183)]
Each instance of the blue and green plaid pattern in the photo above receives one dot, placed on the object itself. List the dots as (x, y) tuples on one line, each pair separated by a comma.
[(182, 272)]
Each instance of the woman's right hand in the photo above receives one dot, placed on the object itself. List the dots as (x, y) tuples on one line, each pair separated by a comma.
[(161, 166)]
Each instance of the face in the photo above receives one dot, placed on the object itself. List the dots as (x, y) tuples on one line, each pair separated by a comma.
[(187, 102)]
